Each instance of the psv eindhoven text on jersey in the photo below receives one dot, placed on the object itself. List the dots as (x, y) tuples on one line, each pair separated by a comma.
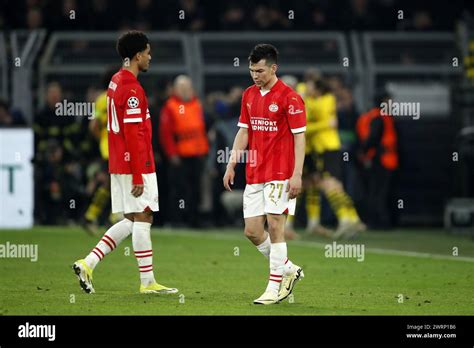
[(129, 127), (272, 117)]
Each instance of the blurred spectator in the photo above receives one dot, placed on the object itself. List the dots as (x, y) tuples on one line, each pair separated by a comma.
[(290, 80), (269, 18), (58, 200), (347, 116), (184, 140), (68, 17), (422, 21), (311, 75), (358, 16), (233, 17), (378, 154), (34, 18), (188, 15), (100, 16), (320, 16), (9, 118), (143, 17), (227, 206), (62, 152), (98, 180)]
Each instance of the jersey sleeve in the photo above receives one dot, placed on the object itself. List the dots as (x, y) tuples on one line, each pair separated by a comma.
[(134, 105), (296, 112), (244, 118)]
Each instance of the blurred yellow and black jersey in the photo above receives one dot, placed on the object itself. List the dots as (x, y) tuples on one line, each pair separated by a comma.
[(321, 124), (101, 116)]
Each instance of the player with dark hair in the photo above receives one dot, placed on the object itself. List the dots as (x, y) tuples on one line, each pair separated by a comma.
[(272, 124), (134, 188)]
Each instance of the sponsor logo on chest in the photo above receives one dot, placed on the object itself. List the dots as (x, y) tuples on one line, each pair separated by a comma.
[(273, 107), (263, 124)]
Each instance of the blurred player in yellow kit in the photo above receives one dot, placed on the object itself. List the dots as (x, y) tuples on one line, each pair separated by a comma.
[(323, 165), (98, 127)]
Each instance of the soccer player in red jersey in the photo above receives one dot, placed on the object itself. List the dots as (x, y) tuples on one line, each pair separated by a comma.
[(134, 187), (272, 124)]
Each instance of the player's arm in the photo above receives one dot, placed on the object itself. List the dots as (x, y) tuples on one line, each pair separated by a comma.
[(295, 183), (100, 116), (241, 142), (132, 121), (375, 134), (297, 121), (167, 140)]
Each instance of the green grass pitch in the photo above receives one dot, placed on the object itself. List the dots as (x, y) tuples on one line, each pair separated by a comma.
[(219, 272)]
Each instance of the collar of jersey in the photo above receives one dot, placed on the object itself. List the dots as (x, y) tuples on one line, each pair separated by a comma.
[(263, 93)]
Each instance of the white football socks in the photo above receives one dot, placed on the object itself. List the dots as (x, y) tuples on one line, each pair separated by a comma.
[(142, 247), (278, 257), (265, 248), (111, 239)]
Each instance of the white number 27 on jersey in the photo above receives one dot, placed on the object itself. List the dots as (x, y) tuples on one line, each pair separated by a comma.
[(112, 120)]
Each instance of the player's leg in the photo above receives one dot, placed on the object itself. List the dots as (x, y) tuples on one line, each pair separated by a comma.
[(255, 218), (283, 273), (313, 199), (349, 222), (276, 205), (141, 235), (255, 232), (99, 201), (142, 247), (109, 242)]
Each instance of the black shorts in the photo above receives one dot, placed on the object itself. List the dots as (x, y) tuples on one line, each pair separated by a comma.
[(309, 166), (329, 163)]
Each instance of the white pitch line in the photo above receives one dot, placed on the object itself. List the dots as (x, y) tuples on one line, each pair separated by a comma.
[(396, 252), (233, 236)]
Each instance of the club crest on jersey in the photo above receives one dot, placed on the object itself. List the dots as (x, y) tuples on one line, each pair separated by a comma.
[(273, 107), (133, 102)]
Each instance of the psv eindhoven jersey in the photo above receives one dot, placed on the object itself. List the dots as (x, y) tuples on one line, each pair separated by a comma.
[(129, 127), (272, 117)]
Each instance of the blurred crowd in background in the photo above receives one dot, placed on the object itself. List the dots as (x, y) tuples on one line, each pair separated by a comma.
[(239, 15)]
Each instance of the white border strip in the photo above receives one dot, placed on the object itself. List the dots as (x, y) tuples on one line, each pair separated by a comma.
[(130, 120), (298, 130)]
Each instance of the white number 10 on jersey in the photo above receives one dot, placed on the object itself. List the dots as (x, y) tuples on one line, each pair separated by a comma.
[(112, 119)]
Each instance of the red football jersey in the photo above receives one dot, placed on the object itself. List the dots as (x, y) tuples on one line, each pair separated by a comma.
[(129, 126), (271, 118)]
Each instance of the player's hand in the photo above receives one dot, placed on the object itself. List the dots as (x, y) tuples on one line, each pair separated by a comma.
[(294, 186), (137, 190), (229, 178)]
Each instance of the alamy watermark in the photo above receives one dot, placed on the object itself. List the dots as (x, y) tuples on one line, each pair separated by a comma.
[(240, 156), (67, 108), (393, 108), (335, 250), (37, 331), (24, 251)]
